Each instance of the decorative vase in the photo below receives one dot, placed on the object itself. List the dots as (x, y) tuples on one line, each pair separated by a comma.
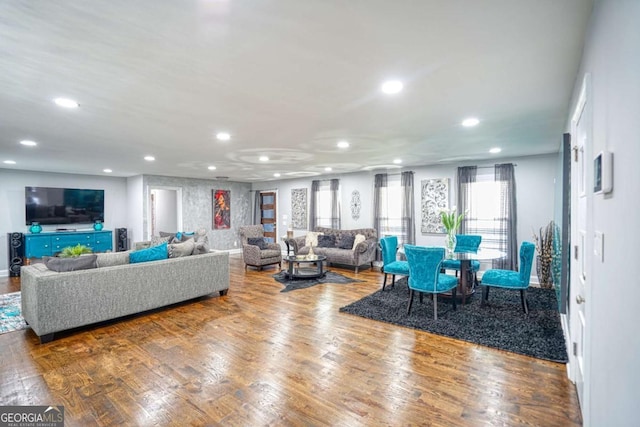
[(98, 225), (450, 243), (543, 269), (311, 254), (35, 227)]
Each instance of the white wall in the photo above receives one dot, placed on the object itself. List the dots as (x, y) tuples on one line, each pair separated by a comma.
[(166, 209), (612, 350), (12, 204), (535, 179), (135, 209)]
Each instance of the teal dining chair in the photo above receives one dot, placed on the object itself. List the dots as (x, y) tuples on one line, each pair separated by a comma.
[(509, 279), (465, 243), (390, 263), (425, 276)]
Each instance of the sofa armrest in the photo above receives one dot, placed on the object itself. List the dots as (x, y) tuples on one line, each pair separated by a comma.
[(275, 246), (296, 243)]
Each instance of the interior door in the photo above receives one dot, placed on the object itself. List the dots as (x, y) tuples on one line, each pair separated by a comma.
[(581, 257), (268, 215)]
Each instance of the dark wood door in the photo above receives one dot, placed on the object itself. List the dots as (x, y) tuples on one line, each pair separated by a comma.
[(268, 216)]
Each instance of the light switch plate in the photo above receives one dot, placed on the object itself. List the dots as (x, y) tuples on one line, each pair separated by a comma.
[(598, 245)]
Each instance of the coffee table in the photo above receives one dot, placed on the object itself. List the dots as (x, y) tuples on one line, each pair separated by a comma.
[(305, 266)]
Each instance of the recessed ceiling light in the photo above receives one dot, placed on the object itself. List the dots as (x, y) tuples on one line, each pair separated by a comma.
[(107, 170), (28, 143), (211, 168), (223, 136), (397, 161), (66, 103), (9, 162), (470, 122), (264, 159), (495, 150), (343, 144), (149, 158), (276, 174), (391, 87), (327, 169)]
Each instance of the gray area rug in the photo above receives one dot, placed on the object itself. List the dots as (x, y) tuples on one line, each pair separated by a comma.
[(329, 277), (500, 324)]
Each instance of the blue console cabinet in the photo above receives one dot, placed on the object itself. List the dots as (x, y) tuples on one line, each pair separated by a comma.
[(49, 244)]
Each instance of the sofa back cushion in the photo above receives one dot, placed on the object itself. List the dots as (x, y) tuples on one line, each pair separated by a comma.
[(110, 259), (346, 242), (61, 265), (154, 253), (326, 241)]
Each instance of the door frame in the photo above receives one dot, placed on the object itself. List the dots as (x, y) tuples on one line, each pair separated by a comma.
[(583, 111), (275, 208), (178, 191)]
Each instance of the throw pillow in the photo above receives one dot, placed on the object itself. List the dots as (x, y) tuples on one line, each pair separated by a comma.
[(165, 234), (358, 239), (312, 238), (257, 241), (346, 242), (60, 265), (177, 250), (202, 242), (110, 259), (157, 240), (327, 241), (154, 253)]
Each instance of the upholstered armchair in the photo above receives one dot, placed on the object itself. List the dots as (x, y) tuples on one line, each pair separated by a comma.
[(390, 263), (508, 279), (256, 252), (425, 276)]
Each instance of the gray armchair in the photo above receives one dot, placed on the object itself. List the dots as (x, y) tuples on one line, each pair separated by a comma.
[(254, 255)]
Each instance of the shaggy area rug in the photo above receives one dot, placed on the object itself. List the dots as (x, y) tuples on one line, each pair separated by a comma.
[(501, 323), (10, 315), (329, 277)]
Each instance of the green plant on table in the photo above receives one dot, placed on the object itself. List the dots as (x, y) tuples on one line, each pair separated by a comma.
[(75, 251), (451, 220)]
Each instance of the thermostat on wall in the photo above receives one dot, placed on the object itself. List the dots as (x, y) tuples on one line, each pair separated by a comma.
[(603, 172)]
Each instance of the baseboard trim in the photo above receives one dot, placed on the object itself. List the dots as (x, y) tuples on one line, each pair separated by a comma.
[(4, 273)]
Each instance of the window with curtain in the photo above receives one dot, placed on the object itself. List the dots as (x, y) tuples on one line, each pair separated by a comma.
[(487, 196), (325, 204), (394, 206)]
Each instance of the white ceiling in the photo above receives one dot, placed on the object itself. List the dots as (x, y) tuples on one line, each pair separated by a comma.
[(287, 78)]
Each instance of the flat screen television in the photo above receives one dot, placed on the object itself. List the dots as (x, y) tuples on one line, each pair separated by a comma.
[(48, 205)]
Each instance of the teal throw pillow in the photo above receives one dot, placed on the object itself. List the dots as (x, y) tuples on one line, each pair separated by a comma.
[(154, 253)]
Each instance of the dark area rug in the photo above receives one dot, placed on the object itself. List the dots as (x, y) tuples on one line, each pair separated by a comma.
[(501, 323), (329, 277)]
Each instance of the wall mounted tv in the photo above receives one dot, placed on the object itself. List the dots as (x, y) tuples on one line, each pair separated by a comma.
[(63, 205)]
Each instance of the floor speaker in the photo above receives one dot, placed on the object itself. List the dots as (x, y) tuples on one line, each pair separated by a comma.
[(16, 253), (122, 242)]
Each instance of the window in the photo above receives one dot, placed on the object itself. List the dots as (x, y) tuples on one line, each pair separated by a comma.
[(483, 212), (394, 207), (325, 204)]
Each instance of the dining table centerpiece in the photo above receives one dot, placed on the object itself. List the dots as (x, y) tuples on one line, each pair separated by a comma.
[(451, 221)]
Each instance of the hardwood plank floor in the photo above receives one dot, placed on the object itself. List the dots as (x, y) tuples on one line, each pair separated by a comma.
[(260, 357)]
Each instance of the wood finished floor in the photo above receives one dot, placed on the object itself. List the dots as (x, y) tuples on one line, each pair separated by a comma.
[(261, 357)]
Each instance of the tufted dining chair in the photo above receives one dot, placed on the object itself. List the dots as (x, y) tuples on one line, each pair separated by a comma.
[(256, 251), (509, 279), (390, 263), (465, 243), (425, 276)]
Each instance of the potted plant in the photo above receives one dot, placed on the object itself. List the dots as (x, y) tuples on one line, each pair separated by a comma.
[(451, 222), (74, 251)]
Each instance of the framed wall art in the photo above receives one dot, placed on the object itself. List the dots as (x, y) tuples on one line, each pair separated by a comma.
[(435, 199), (299, 208), (221, 209)]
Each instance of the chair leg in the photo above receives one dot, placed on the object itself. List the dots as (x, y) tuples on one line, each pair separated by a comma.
[(453, 298), (410, 301), (435, 306), (356, 269), (525, 304), (384, 283), (421, 295), (393, 280), (485, 295)]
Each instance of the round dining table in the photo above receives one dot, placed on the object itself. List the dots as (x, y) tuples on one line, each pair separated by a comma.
[(466, 285)]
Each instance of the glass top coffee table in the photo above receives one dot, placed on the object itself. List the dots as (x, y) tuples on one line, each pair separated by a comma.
[(305, 266)]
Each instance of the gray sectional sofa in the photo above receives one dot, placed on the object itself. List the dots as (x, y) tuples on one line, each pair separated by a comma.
[(53, 302), (364, 253)]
